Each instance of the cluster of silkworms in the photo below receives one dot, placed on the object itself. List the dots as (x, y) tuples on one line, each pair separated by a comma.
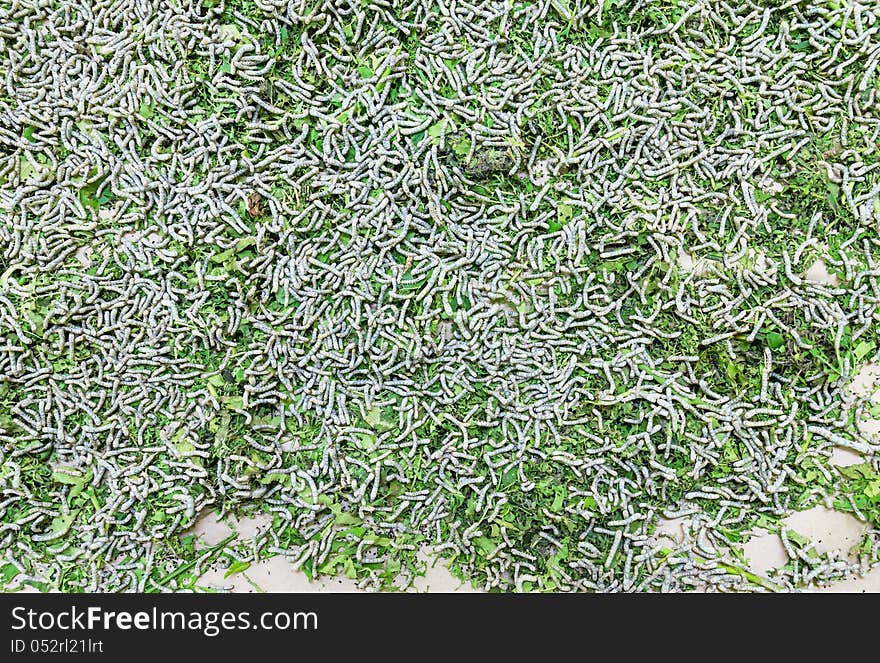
[(512, 280)]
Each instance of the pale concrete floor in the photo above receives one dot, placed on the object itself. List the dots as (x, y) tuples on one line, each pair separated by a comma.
[(277, 574), (829, 531)]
